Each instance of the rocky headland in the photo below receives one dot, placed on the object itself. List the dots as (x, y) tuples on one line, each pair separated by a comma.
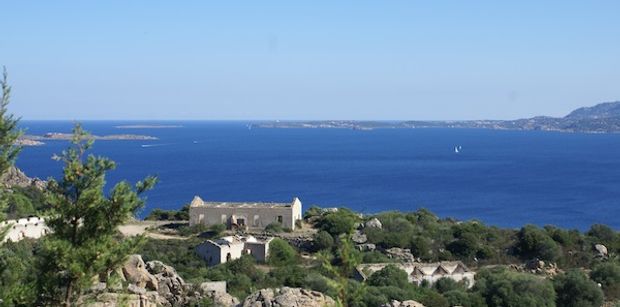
[(601, 118)]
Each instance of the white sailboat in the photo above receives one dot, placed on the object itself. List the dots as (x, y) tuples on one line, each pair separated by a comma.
[(457, 149)]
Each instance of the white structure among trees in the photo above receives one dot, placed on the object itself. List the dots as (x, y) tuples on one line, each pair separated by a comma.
[(244, 215), (31, 227), (230, 248), (418, 272)]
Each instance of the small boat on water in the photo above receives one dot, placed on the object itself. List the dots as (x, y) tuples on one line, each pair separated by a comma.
[(457, 149)]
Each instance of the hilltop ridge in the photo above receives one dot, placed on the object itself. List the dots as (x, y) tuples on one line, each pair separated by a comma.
[(601, 118)]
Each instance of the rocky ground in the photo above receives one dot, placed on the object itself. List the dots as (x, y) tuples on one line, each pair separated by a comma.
[(140, 284), (14, 177)]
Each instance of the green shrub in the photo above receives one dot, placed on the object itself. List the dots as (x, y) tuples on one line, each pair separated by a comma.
[(608, 275), (500, 287), (281, 253), (375, 257), (390, 275), (203, 230), (338, 222), (323, 241), (445, 284), (465, 247), (25, 202), (274, 227), (169, 215), (574, 289), (532, 242)]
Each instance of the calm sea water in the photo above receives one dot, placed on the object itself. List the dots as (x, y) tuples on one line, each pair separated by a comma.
[(504, 178)]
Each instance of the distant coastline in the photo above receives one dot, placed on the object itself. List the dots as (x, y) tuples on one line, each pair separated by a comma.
[(34, 140), (601, 118), (147, 126)]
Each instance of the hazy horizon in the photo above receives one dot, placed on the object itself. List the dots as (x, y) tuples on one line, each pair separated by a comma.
[(277, 60)]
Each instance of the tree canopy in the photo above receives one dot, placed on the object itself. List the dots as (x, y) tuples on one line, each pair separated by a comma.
[(84, 240)]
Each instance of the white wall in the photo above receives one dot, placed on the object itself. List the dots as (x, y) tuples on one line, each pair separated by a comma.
[(32, 227)]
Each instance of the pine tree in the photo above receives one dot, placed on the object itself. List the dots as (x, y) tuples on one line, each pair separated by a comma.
[(84, 242), (9, 133)]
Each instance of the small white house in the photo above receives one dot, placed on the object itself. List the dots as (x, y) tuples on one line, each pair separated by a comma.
[(31, 227), (229, 248)]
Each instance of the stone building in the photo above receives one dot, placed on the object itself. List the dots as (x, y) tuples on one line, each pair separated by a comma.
[(31, 227), (244, 215), (418, 272), (229, 248)]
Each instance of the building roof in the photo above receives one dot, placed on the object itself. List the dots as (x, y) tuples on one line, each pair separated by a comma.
[(418, 269), (198, 202), (235, 240)]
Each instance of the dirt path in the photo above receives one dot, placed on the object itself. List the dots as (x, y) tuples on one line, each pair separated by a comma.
[(141, 227)]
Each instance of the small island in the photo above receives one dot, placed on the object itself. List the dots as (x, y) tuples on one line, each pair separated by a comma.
[(28, 142), (53, 136)]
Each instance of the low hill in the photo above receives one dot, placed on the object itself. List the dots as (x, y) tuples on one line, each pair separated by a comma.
[(601, 118)]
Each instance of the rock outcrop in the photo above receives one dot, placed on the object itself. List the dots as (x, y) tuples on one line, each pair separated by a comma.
[(134, 271), (169, 284), (151, 284), (409, 303), (288, 297), (400, 254), (374, 223), (366, 247), (601, 249), (358, 237), (14, 177)]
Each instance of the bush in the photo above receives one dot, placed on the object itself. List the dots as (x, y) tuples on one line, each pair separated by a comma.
[(169, 215), (241, 275), (323, 241), (462, 298), (532, 242), (312, 212), (275, 227), (179, 254), (204, 231), (466, 246), (375, 257), (338, 222), (318, 282), (421, 247), (24, 202), (390, 275), (603, 233), (500, 287), (608, 275), (281, 253), (444, 284), (289, 275), (574, 289), (17, 272)]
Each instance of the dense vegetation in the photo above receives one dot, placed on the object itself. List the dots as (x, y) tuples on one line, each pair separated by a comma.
[(169, 215), (331, 269), (85, 247), (432, 239)]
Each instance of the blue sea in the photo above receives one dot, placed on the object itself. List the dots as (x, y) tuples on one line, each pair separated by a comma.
[(503, 178)]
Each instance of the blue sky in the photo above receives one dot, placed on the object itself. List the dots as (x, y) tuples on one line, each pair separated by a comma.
[(309, 59)]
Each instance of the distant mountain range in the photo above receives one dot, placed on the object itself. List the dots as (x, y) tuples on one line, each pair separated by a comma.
[(601, 118)]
